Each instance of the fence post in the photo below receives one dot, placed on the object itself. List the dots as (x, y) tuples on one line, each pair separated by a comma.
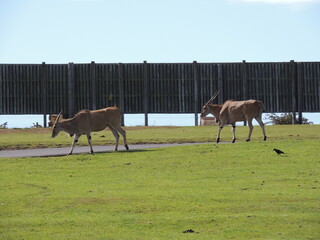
[(44, 93), (196, 91), (71, 90), (2, 72), (220, 84), (244, 80), (244, 84), (293, 77), (93, 85), (300, 91), (121, 92), (145, 92)]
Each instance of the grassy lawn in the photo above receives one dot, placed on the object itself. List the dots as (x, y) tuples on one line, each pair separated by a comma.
[(221, 191), (41, 138)]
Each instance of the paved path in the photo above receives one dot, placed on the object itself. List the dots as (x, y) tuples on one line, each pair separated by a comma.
[(48, 152)]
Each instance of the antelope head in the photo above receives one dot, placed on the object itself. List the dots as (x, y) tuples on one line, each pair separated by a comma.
[(206, 107), (56, 126)]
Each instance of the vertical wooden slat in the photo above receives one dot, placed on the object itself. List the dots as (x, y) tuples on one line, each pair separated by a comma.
[(93, 103), (318, 83), (196, 93), (313, 86), (1, 89), (220, 84), (19, 87), (300, 91), (24, 95), (9, 90), (277, 87), (14, 89), (6, 90), (244, 80), (157, 89), (306, 88), (179, 88), (44, 93), (71, 90), (121, 91), (29, 90), (145, 92), (37, 94), (244, 83), (293, 77)]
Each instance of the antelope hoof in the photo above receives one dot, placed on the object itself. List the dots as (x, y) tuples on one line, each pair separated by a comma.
[(233, 140), (265, 138), (218, 140), (248, 140), (127, 147)]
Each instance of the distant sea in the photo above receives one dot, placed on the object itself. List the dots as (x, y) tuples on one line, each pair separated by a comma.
[(27, 121)]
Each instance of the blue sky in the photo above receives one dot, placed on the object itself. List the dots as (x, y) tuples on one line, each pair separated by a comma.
[(110, 31), (81, 31)]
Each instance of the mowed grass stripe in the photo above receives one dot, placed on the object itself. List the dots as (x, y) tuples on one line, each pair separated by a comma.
[(41, 138)]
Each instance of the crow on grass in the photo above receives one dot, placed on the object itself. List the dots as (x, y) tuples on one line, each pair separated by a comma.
[(278, 151)]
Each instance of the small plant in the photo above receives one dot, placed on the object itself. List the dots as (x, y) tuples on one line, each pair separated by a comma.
[(4, 125), (284, 119)]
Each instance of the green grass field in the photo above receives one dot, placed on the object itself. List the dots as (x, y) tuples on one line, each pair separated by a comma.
[(41, 138), (221, 191)]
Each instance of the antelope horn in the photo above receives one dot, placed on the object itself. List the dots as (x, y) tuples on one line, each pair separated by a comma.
[(58, 117), (214, 97)]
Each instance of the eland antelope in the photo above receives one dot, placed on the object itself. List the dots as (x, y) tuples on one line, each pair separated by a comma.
[(85, 122), (233, 111)]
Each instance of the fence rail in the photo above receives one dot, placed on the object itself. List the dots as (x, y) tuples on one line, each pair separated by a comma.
[(156, 87)]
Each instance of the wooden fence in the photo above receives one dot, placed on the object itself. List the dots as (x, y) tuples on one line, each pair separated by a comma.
[(157, 87)]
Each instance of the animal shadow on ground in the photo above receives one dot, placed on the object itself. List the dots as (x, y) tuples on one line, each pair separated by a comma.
[(98, 153), (130, 151)]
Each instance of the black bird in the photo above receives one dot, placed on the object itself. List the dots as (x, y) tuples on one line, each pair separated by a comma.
[(278, 151)]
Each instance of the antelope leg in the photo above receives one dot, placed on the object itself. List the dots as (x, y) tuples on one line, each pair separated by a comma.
[(234, 133), (250, 129), (75, 140), (116, 136), (90, 143), (219, 131), (259, 120), (124, 135)]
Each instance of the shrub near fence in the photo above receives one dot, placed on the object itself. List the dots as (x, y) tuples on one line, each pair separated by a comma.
[(157, 87)]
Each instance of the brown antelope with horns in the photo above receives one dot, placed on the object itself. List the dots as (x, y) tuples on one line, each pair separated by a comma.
[(234, 111), (85, 122)]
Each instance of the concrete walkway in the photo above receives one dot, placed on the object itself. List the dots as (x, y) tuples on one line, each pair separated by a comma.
[(49, 152)]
